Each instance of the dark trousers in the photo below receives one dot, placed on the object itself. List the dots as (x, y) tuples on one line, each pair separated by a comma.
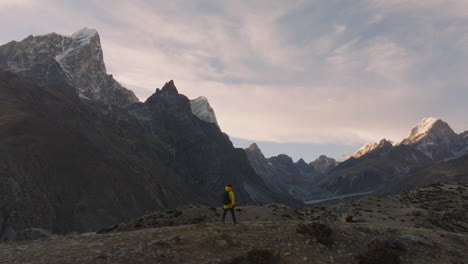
[(232, 213)]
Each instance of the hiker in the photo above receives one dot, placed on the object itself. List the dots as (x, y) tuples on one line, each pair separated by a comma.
[(229, 203)]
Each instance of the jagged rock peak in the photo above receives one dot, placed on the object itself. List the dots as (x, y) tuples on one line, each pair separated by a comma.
[(168, 89), (76, 59), (253, 147), (369, 147), (85, 33), (202, 109), (422, 128), (324, 158), (301, 162), (254, 153), (436, 139), (429, 127)]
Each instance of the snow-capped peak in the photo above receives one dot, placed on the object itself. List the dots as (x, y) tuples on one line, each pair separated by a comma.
[(85, 32), (80, 38), (425, 125), (436, 139), (365, 149), (420, 130), (371, 147), (74, 58), (84, 35)]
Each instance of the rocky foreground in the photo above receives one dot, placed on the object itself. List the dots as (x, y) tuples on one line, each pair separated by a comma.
[(428, 225)]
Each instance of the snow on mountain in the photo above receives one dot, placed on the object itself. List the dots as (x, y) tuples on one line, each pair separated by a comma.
[(436, 139), (80, 38), (369, 147), (202, 109), (76, 59), (421, 129), (365, 149), (84, 35)]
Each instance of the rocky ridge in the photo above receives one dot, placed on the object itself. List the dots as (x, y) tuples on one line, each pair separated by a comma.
[(373, 170), (285, 177), (76, 60), (370, 147)]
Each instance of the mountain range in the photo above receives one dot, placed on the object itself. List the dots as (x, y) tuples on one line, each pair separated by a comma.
[(381, 167), (78, 151)]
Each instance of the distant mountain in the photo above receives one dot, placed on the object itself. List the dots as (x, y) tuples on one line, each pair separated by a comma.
[(76, 60), (324, 164), (382, 145), (383, 166), (285, 177), (436, 139), (373, 170), (279, 168)]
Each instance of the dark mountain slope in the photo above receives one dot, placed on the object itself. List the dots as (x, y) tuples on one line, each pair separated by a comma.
[(71, 164), (200, 153), (64, 170), (455, 170)]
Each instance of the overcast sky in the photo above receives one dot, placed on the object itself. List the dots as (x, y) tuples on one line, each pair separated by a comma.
[(298, 77)]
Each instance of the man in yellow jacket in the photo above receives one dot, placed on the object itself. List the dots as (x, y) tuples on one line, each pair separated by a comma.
[(230, 205)]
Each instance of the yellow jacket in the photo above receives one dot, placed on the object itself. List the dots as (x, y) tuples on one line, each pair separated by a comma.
[(231, 196)]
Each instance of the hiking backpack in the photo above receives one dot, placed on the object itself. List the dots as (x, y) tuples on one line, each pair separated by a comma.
[(225, 198)]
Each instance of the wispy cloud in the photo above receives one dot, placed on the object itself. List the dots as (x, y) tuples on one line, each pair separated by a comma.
[(301, 71)]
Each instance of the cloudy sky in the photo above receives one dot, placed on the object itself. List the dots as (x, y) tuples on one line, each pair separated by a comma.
[(298, 77)]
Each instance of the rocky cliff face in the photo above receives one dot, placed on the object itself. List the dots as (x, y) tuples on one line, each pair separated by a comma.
[(70, 164), (436, 139), (76, 59), (201, 154)]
